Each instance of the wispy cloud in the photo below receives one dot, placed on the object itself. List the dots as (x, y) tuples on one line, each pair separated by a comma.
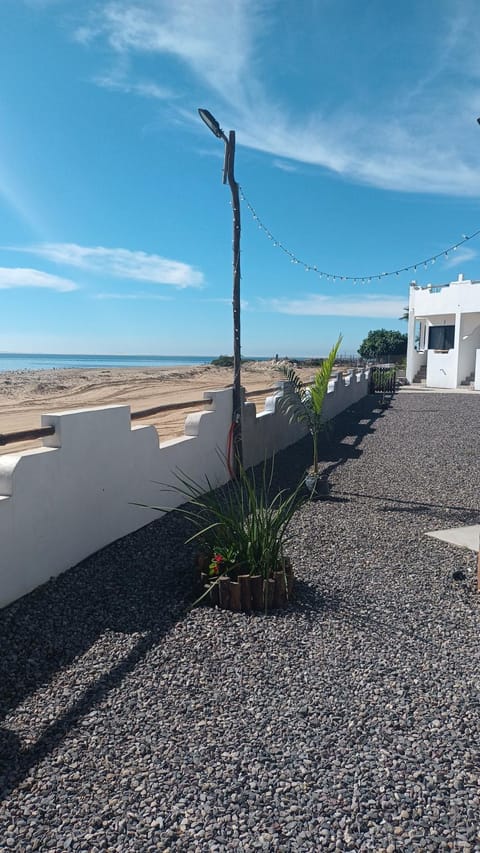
[(15, 195), (284, 166), (132, 296), (397, 142), (461, 256), (191, 30), (13, 277), (119, 263), (315, 305), (144, 88)]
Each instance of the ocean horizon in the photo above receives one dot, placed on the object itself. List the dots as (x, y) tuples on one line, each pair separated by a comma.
[(48, 361)]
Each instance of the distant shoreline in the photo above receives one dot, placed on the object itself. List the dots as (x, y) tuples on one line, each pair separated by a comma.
[(27, 394), (51, 361)]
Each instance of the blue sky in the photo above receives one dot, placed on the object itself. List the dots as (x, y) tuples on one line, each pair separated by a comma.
[(357, 146)]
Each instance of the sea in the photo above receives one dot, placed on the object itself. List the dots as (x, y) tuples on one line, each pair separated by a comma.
[(46, 361)]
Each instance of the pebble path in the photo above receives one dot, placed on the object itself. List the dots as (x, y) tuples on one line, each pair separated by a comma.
[(350, 721)]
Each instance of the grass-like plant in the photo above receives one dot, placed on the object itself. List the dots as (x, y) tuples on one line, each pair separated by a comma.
[(303, 403), (241, 522)]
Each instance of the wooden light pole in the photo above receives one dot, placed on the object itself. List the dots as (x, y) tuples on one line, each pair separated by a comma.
[(229, 175)]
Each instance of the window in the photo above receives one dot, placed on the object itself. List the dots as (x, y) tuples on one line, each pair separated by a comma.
[(419, 334), (441, 337)]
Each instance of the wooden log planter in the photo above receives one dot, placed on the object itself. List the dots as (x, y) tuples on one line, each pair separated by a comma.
[(245, 593)]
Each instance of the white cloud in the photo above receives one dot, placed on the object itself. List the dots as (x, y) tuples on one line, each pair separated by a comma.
[(13, 277), (284, 166), (144, 88), (195, 31), (132, 296), (120, 263), (315, 305), (461, 256), (420, 136)]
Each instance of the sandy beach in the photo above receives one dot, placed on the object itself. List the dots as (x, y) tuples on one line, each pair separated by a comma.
[(25, 395)]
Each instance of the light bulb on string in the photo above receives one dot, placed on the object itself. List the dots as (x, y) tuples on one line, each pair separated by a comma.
[(362, 279)]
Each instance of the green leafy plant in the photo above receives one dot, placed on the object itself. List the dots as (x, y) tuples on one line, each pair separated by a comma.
[(223, 561), (241, 527), (223, 361), (303, 403), (383, 344)]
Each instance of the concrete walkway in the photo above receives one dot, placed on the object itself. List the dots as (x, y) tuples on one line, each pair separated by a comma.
[(464, 537)]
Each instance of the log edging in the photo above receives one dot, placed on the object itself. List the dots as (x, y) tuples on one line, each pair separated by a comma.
[(249, 592)]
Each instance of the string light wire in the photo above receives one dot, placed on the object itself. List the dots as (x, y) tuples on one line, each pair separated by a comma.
[(357, 279)]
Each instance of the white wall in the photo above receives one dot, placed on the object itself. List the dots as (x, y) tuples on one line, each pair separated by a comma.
[(477, 371), (63, 501), (415, 360), (457, 296), (441, 369), (468, 344), (413, 356)]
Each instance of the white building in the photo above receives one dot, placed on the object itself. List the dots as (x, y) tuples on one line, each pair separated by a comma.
[(444, 334)]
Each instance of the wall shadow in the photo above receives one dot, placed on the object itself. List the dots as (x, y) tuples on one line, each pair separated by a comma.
[(354, 424), (141, 584)]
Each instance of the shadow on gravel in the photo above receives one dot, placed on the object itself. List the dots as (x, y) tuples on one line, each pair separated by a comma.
[(308, 599), (464, 514), (347, 607), (134, 586), (138, 585), (340, 442)]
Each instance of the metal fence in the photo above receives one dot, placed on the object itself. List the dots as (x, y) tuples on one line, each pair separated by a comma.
[(383, 381)]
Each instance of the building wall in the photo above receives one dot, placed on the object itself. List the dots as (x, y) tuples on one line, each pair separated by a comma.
[(457, 296), (456, 303), (469, 343), (441, 369), (477, 371), (76, 494)]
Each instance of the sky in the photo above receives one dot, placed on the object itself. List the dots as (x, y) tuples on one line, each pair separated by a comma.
[(357, 153)]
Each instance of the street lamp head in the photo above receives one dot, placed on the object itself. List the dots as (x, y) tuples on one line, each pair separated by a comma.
[(211, 123), (478, 119)]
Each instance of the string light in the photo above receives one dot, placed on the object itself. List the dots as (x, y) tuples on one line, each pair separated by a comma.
[(354, 278)]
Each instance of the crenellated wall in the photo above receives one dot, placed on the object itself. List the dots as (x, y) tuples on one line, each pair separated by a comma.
[(76, 494)]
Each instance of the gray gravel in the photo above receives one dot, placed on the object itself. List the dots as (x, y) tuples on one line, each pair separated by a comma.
[(351, 721)]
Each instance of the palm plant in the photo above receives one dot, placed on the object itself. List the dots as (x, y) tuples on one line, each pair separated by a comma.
[(304, 403)]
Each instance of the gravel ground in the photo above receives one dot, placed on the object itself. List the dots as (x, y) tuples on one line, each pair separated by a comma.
[(351, 721)]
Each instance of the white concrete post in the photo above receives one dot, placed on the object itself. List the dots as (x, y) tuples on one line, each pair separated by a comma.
[(411, 365), (458, 341)]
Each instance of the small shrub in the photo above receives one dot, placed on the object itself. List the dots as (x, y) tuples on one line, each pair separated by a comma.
[(240, 523), (223, 361)]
